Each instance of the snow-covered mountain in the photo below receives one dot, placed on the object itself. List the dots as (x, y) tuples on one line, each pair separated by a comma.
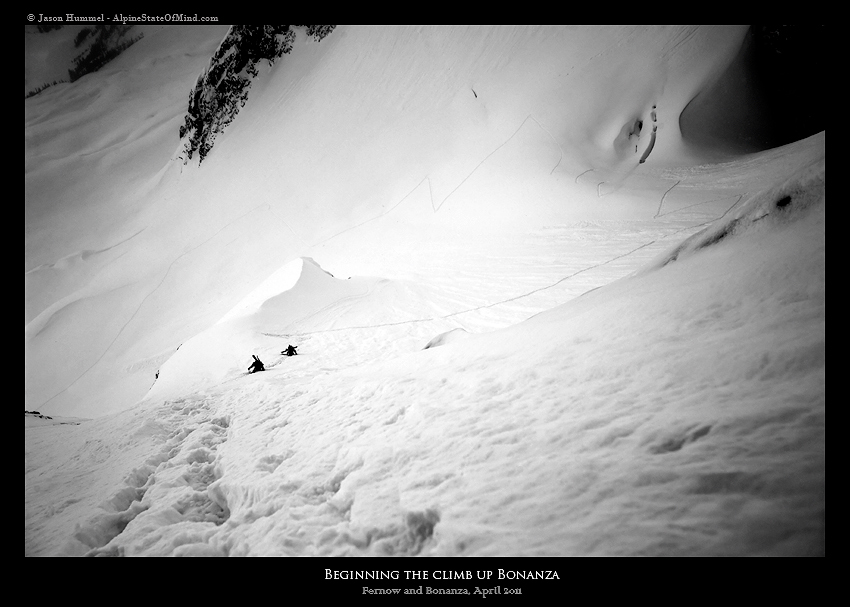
[(537, 311)]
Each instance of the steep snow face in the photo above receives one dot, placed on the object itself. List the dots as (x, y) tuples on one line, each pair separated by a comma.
[(433, 132)]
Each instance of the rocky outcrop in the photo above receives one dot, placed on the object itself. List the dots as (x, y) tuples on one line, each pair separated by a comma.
[(222, 89), (36, 414)]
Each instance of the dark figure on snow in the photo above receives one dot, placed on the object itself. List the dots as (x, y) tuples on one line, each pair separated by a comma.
[(257, 365), (290, 351)]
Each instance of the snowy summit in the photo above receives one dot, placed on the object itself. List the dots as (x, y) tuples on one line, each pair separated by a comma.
[(549, 291)]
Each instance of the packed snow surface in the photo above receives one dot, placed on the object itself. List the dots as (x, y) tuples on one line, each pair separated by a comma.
[(531, 318)]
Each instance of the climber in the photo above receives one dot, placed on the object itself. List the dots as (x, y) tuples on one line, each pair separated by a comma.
[(290, 351), (257, 365)]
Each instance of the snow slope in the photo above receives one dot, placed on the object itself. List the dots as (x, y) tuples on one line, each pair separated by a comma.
[(458, 122), (633, 354)]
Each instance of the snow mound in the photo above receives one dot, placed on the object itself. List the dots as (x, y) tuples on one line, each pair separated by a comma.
[(445, 338), (282, 280)]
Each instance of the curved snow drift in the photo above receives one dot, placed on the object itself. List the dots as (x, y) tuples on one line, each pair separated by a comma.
[(297, 301)]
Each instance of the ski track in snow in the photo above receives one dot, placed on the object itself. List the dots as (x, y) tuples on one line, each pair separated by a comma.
[(436, 207), (670, 234), (502, 301)]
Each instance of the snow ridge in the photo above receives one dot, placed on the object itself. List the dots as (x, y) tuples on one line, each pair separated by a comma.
[(781, 204)]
